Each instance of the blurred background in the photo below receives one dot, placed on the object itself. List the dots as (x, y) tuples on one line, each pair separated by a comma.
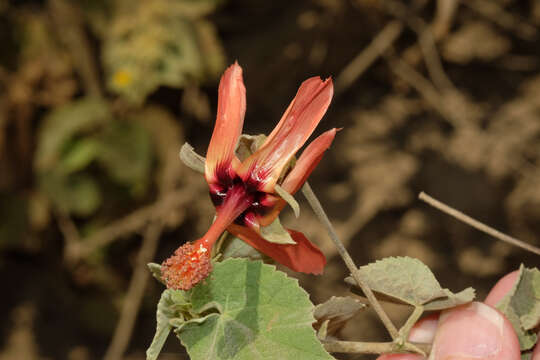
[(97, 96)]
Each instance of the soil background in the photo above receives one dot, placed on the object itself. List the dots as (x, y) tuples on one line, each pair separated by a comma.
[(436, 96)]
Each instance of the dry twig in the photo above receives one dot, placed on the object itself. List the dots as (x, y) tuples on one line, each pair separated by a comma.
[(71, 29), (135, 293), (426, 41), (349, 262), (126, 226), (494, 12), (356, 347), (477, 224), (382, 42)]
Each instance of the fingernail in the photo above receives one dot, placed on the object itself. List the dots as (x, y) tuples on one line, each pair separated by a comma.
[(469, 332)]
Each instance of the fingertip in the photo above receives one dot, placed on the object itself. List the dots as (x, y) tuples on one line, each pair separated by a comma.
[(536, 351), (424, 330), (401, 357), (475, 331), (501, 288)]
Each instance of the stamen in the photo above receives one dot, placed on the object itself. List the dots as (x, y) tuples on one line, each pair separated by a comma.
[(187, 267)]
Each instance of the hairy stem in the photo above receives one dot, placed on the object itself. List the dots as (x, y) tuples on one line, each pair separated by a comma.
[(356, 347), (357, 276), (413, 318)]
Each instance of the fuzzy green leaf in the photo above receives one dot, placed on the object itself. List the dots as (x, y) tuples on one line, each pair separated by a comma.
[(233, 247), (173, 311), (163, 326), (521, 306), (256, 313), (155, 269), (276, 233), (334, 313), (402, 280), (289, 199), (405, 280), (452, 300), (529, 302), (191, 159)]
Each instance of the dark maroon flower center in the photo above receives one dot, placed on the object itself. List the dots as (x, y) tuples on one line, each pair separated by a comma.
[(260, 201)]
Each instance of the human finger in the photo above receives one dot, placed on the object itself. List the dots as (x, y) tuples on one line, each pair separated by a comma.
[(501, 288), (475, 331), (422, 332)]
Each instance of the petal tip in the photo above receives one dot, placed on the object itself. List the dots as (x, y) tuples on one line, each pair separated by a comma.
[(234, 69)]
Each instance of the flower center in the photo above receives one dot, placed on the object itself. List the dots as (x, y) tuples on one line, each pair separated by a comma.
[(259, 201)]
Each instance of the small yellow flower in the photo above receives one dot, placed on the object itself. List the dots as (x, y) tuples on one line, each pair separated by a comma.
[(122, 78)]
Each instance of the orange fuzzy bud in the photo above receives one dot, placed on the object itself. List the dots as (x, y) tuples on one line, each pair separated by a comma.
[(189, 265)]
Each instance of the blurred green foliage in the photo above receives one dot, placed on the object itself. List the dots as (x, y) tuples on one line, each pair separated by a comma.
[(82, 133), (157, 42), (87, 143)]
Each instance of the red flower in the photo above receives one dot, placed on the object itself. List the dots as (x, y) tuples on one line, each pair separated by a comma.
[(243, 191)]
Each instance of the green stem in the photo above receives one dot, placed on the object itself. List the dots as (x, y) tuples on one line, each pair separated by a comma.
[(406, 329), (357, 276), (413, 318)]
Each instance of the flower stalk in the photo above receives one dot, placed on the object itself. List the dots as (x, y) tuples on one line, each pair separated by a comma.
[(357, 276)]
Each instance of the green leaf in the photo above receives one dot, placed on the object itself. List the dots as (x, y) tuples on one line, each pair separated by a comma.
[(125, 152), (233, 247), (80, 155), (405, 280), (258, 313), (173, 310), (276, 233), (78, 193), (528, 303), (402, 280), (521, 306), (62, 124), (155, 270), (334, 313), (288, 198), (178, 47), (163, 327), (452, 300), (248, 144), (191, 159)]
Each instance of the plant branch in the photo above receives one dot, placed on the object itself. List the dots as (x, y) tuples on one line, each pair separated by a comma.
[(127, 225), (477, 224), (413, 318), (357, 276), (134, 295), (69, 22), (356, 347), (133, 299), (380, 43)]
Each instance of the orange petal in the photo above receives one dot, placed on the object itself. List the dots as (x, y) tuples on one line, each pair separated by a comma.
[(302, 257), (301, 171), (229, 122), (295, 127), (308, 161)]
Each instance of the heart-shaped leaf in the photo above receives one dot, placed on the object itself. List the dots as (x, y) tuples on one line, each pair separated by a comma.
[(255, 312)]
